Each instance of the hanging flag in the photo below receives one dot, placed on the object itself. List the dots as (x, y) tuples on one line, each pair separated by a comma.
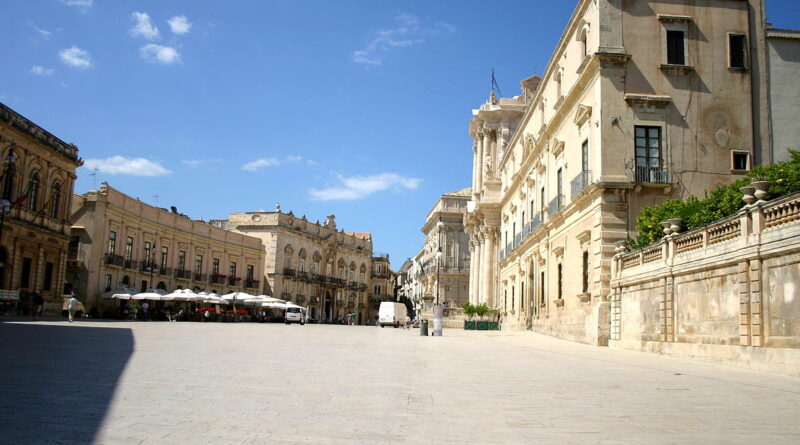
[(495, 87), (46, 207), (25, 194)]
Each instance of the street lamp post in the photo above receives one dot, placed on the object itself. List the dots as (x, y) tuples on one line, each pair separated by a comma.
[(437, 307)]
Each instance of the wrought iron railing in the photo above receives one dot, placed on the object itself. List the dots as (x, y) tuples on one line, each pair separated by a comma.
[(556, 204), (114, 260), (651, 175), (580, 182)]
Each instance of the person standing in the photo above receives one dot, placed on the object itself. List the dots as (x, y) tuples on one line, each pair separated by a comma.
[(145, 310), (38, 302), (72, 306)]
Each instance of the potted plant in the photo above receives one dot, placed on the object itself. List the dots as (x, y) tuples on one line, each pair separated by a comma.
[(469, 311), (481, 310)]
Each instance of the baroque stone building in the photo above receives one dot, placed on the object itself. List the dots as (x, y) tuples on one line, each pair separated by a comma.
[(119, 241), (381, 284), (311, 264), (445, 276), (38, 176), (640, 102)]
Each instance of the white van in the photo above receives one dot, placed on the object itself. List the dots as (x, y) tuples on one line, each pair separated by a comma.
[(392, 314), (296, 314)]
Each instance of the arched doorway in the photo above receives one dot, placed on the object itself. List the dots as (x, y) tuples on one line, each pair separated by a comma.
[(161, 285), (126, 281), (328, 307)]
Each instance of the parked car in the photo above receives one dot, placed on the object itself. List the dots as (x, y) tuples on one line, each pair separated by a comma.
[(392, 314), (296, 314)]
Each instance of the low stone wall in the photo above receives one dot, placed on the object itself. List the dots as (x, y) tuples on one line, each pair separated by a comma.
[(729, 292), (587, 324)]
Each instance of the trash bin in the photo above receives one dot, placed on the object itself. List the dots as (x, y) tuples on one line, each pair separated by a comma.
[(423, 328)]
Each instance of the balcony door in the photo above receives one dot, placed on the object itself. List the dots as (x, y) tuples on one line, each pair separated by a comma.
[(648, 153)]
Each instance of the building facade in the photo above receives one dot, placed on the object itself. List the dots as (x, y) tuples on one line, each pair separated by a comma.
[(783, 51), (119, 241), (38, 177), (640, 102), (312, 264), (381, 284), (444, 261)]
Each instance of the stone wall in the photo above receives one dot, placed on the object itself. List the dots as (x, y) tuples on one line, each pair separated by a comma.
[(729, 292)]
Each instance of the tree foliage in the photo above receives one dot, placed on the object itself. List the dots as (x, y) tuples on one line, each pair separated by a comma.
[(784, 179)]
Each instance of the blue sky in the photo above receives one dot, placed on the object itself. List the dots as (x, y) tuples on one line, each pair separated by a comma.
[(356, 108)]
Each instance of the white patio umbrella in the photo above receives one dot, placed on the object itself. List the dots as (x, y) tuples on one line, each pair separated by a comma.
[(179, 295), (119, 290), (121, 296), (151, 294)]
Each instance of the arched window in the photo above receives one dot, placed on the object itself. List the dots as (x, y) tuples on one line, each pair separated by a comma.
[(8, 175), (33, 192), (55, 200)]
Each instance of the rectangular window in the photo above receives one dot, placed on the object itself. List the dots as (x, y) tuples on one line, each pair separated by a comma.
[(164, 256), (232, 269), (741, 161), (675, 48), (198, 266), (585, 156), (112, 242), (250, 272), (147, 252), (25, 281), (585, 272), (560, 185), (48, 276), (736, 50), (560, 276), (215, 266), (542, 203), (129, 249), (182, 260), (542, 288), (108, 282), (648, 153)]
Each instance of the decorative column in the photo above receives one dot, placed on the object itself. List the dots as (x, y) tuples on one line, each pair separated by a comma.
[(476, 285), (489, 259), (488, 153), (478, 171)]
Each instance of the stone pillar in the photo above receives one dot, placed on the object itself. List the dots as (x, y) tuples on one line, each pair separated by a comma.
[(475, 165), (470, 289), (479, 165), (38, 274), (756, 306), (487, 158), (489, 255)]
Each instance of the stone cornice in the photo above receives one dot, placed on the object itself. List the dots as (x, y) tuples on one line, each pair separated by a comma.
[(29, 128)]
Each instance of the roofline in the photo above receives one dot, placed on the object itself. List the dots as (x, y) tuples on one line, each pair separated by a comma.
[(31, 129)]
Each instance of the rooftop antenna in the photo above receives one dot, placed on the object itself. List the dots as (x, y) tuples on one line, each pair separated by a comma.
[(495, 87), (93, 174)]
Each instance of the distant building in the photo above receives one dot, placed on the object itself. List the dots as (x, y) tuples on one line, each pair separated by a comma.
[(445, 276), (119, 241), (38, 176), (311, 264), (381, 283)]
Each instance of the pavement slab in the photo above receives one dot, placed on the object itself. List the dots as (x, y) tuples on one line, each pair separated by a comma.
[(110, 382)]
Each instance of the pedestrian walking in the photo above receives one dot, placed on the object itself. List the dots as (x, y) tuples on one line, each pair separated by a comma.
[(72, 306), (38, 302)]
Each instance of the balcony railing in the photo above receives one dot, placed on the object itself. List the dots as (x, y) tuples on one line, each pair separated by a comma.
[(517, 240), (183, 274), (556, 204), (217, 279), (303, 275), (362, 286), (300, 299), (251, 284), (352, 284), (288, 272), (580, 182), (652, 175), (536, 222), (286, 296), (148, 266), (199, 277), (163, 270), (313, 300), (131, 264), (114, 260), (234, 281), (380, 275)]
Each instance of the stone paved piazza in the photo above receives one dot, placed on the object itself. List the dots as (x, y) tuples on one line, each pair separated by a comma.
[(117, 382)]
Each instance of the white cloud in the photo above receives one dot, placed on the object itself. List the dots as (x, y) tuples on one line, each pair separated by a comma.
[(357, 187), (195, 163), (74, 56), (143, 26), (159, 53), (270, 162), (179, 24), (81, 5), (259, 163), (41, 71), (408, 31), (125, 166), (42, 32)]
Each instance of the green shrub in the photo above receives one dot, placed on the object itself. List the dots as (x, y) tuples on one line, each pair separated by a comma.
[(784, 179)]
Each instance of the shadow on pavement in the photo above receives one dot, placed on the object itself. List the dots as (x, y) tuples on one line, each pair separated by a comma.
[(56, 382)]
